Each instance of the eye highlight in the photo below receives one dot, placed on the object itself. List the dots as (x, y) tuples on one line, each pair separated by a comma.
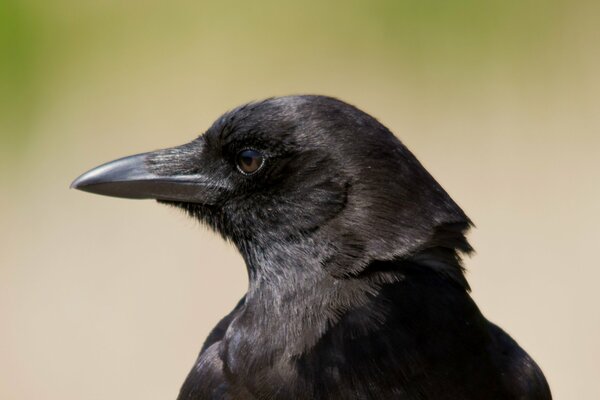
[(249, 161)]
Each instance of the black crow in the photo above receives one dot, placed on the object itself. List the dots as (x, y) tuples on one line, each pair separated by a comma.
[(356, 287)]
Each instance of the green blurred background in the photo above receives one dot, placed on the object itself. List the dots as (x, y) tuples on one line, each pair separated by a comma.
[(103, 298)]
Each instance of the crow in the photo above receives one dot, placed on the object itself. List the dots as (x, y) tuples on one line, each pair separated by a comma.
[(353, 251)]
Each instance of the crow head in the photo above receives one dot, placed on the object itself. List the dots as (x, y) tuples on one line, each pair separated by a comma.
[(306, 172)]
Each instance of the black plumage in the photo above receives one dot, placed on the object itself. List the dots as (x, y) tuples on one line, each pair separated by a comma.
[(353, 250)]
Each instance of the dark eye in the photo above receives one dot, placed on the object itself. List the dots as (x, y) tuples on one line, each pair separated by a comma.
[(249, 161)]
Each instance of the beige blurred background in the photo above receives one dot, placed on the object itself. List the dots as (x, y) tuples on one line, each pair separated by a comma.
[(103, 298)]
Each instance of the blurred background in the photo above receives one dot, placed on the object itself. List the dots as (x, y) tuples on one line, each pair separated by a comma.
[(103, 298)]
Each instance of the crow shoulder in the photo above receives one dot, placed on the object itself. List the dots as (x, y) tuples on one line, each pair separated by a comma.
[(206, 380), (219, 330), (518, 369)]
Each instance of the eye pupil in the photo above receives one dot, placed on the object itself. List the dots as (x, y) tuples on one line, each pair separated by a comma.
[(249, 161)]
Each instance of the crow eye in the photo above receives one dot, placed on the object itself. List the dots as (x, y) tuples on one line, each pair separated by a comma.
[(249, 161)]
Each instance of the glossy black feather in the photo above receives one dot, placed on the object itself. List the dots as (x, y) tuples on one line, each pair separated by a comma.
[(356, 287)]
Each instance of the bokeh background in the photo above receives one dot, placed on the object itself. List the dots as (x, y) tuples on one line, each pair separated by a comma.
[(103, 298)]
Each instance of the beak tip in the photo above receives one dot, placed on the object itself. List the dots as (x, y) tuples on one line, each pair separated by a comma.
[(79, 182)]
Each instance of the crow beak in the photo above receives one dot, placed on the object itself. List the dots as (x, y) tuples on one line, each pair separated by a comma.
[(130, 178)]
